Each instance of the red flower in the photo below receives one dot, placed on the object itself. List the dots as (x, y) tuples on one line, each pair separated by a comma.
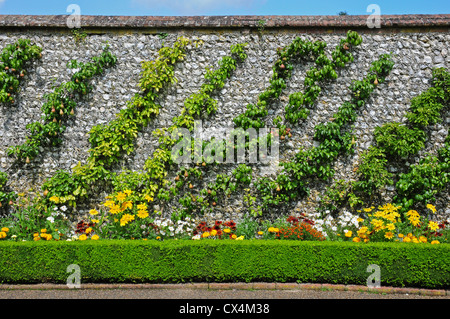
[(231, 224)]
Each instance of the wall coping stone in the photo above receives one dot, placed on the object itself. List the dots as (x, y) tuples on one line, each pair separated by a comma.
[(440, 21)]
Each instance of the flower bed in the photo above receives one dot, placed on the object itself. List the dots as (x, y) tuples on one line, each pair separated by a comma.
[(127, 216)]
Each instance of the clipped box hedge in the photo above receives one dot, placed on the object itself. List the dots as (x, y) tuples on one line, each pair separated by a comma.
[(411, 265)]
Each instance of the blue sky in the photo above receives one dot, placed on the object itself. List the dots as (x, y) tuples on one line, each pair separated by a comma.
[(222, 7)]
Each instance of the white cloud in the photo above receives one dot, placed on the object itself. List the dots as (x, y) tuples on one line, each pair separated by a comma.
[(196, 7)]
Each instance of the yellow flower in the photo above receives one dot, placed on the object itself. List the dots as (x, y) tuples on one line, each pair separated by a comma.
[(433, 225), (234, 236), (93, 212), (114, 209), (422, 239), (95, 221), (377, 223), (5, 229), (95, 237), (415, 240), (148, 198), (128, 192), (48, 237), (43, 230), (142, 206), (36, 235), (88, 230), (109, 203), (390, 226), (363, 230), (356, 239), (388, 235), (414, 221), (205, 234), (412, 213), (213, 232), (348, 233), (126, 218), (36, 238), (54, 199), (158, 237), (401, 235), (226, 230), (126, 205), (121, 196), (434, 242), (260, 233), (367, 210), (431, 207), (359, 220), (2, 234), (142, 214), (82, 237), (407, 239), (240, 237)]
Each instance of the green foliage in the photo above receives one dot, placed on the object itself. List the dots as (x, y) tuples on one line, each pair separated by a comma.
[(261, 25), (316, 162), (398, 140), (296, 108), (67, 187), (14, 60), (337, 195), (79, 34), (372, 173), (59, 105), (162, 35), (5, 194), (209, 260), (201, 104), (424, 180)]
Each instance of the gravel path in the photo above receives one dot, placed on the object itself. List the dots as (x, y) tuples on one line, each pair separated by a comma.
[(183, 293)]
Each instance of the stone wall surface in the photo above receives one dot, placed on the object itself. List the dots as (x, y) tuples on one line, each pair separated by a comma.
[(417, 48)]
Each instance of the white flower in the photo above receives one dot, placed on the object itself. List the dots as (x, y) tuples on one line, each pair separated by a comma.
[(334, 228), (171, 228), (14, 236), (63, 208), (51, 219), (196, 237)]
